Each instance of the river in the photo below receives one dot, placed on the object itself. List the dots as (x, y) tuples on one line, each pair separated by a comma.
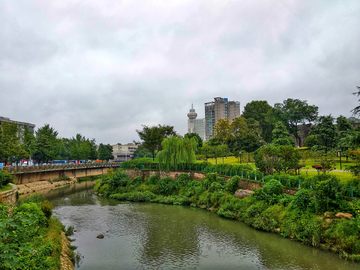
[(158, 236)]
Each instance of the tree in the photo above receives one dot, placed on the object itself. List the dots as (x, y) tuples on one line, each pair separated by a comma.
[(290, 158), (197, 138), (105, 152), (223, 151), (28, 141), (311, 141), (9, 143), (82, 148), (244, 135), (281, 135), (142, 152), (280, 158), (356, 110), (257, 110), (221, 130), (325, 132), (152, 137), (206, 150), (46, 144), (176, 151), (345, 134), (293, 112), (267, 158)]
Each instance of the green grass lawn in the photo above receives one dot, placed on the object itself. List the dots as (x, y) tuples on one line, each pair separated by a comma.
[(340, 175), (304, 171)]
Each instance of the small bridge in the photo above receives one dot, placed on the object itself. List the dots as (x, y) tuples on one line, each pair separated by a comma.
[(30, 174)]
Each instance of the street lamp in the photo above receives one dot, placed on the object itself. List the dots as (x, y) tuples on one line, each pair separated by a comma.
[(240, 156), (339, 154)]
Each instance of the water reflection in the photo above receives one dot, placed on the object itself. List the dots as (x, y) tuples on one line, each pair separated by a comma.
[(156, 236)]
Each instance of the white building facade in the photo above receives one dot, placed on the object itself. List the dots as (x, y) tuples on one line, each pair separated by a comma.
[(196, 125)]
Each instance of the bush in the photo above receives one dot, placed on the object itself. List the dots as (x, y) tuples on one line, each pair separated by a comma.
[(273, 187), (137, 181), (5, 178), (47, 207), (166, 186), (303, 200), (183, 180), (327, 191), (153, 180), (119, 178), (233, 184)]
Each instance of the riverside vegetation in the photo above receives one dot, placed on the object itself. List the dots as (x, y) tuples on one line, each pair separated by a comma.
[(310, 216), (30, 236)]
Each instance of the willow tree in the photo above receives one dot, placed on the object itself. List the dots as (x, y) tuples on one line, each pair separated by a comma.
[(176, 151)]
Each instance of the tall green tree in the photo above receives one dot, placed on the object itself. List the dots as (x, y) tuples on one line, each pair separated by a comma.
[(82, 148), (105, 152), (325, 132), (28, 141), (46, 144), (176, 151), (281, 135), (197, 138), (10, 149), (293, 112), (152, 137), (257, 110)]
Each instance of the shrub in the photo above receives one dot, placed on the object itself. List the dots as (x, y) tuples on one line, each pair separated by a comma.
[(5, 178), (166, 186), (119, 178), (303, 200), (47, 207), (183, 180), (137, 181), (153, 180), (233, 184), (273, 187), (327, 190)]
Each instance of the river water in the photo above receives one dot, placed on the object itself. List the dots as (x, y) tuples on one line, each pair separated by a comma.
[(157, 236)]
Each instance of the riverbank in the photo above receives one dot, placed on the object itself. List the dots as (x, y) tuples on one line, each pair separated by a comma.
[(318, 216)]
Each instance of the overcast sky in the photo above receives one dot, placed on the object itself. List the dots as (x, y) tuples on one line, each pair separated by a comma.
[(104, 68)]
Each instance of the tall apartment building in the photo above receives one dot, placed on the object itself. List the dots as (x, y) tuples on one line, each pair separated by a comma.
[(21, 125), (196, 125), (220, 108)]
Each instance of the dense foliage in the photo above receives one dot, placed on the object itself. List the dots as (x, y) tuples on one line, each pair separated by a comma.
[(30, 237), (300, 217), (5, 178)]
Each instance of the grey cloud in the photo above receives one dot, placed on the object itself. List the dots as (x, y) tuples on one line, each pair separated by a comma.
[(103, 69)]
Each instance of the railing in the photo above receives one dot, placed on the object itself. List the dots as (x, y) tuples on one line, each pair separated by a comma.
[(55, 167)]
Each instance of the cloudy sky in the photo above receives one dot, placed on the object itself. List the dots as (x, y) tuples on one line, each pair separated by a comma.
[(104, 68)]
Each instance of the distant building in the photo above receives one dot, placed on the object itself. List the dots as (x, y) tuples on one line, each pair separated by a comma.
[(220, 108), (196, 125), (124, 152), (21, 125)]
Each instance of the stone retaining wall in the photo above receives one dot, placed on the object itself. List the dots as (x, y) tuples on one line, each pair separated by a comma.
[(42, 185), (9, 196)]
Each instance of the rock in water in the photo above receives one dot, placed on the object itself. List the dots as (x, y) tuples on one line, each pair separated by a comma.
[(242, 193)]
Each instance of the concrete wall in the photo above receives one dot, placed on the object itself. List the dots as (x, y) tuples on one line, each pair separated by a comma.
[(9, 196), (23, 178)]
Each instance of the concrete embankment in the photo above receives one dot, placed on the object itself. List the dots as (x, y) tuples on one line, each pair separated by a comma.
[(29, 188)]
